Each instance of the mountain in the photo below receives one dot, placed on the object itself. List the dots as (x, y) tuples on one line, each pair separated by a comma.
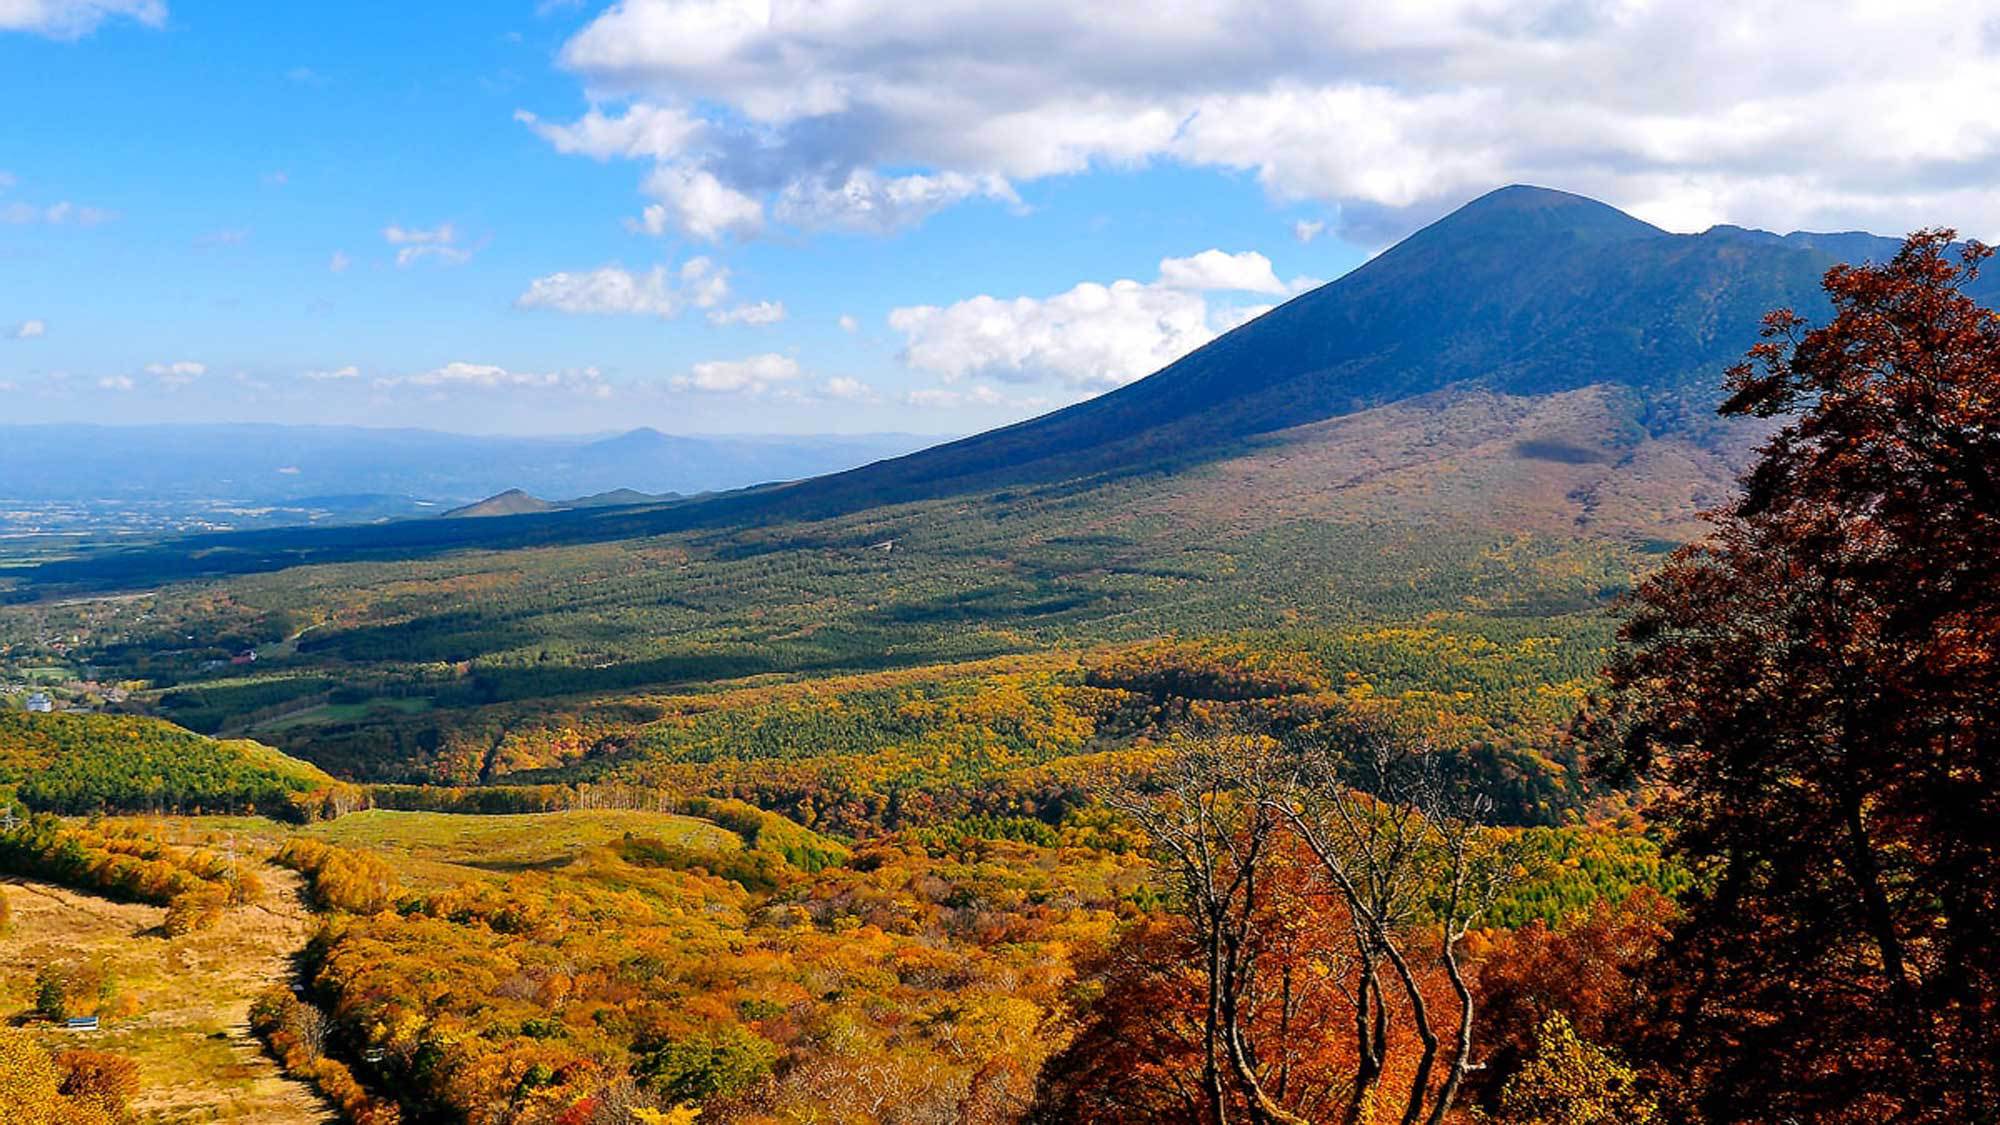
[(1535, 360), (512, 502), (617, 498), (1524, 291), (515, 502)]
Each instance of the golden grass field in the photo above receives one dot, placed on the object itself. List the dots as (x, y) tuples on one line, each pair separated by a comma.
[(180, 1008)]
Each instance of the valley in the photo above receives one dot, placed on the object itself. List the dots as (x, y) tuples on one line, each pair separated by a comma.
[(1310, 683)]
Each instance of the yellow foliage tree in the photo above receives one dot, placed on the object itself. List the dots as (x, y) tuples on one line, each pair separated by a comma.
[(1573, 1082), (31, 1087)]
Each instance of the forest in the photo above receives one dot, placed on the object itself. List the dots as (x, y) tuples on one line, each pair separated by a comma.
[(1519, 830)]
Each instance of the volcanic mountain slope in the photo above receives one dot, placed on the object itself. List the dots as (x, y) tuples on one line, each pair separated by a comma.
[(1523, 294), (1524, 291)]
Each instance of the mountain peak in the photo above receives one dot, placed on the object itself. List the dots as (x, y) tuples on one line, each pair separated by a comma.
[(1524, 210), (512, 502)]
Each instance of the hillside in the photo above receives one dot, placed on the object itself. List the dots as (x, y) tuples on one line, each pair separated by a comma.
[(114, 763), (1523, 293)]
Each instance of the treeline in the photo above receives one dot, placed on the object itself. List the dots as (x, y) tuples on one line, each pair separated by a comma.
[(295, 1033), (128, 861), (76, 764)]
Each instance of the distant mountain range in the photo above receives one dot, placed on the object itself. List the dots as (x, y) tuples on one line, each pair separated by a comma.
[(264, 464), (1535, 361)]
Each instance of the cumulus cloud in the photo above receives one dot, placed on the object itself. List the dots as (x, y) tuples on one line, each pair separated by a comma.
[(339, 262), (692, 200), (753, 375), (1248, 272), (1093, 336), (116, 383), (30, 330), (758, 315), (1305, 230), (616, 291), (74, 19), (336, 374), (848, 323), (416, 244), (809, 113)]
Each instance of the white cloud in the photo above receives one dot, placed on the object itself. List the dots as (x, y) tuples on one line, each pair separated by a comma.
[(658, 132), (416, 244), (753, 375), (847, 388), (7, 180), (1095, 335), (30, 330), (758, 315), (849, 324), (460, 375), (335, 374), (73, 19), (1390, 113), (613, 290), (602, 291), (339, 262), (1305, 230), (116, 383), (177, 374), (1247, 272), (692, 200), (866, 201), (1092, 336), (234, 236)]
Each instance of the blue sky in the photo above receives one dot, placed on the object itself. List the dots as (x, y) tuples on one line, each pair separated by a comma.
[(749, 216)]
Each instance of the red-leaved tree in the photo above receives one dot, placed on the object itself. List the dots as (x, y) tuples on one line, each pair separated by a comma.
[(1815, 692)]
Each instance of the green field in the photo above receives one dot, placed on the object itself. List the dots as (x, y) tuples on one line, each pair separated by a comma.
[(445, 847)]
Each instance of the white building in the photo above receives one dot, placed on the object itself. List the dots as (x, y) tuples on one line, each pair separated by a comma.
[(41, 702)]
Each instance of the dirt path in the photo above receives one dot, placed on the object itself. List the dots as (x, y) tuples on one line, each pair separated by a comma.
[(182, 1007)]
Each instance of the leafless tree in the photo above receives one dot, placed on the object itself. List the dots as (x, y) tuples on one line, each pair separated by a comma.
[(1403, 838), (1213, 823)]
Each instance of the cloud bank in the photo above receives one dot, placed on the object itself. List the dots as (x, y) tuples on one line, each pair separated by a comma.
[(870, 115)]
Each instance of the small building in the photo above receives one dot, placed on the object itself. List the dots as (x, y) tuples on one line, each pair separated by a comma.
[(80, 1023), (247, 656), (40, 703)]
